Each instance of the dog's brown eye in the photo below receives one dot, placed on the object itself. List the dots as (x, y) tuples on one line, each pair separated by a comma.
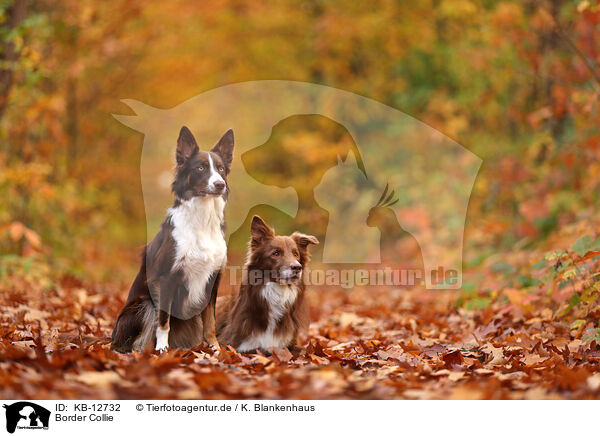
[(200, 168), (221, 169), (276, 253), (296, 254)]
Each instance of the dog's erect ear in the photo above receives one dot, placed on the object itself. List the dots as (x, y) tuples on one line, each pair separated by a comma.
[(224, 148), (186, 146), (302, 240), (260, 231)]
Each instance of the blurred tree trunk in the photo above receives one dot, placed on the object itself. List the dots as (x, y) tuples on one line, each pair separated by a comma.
[(72, 123), (558, 120), (9, 55)]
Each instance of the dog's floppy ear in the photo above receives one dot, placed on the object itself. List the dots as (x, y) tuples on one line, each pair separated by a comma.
[(302, 240), (186, 146), (260, 231), (224, 148)]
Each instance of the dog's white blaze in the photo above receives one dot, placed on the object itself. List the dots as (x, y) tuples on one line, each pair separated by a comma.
[(200, 246), (162, 338), (287, 272), (279, 298), (214, 175)]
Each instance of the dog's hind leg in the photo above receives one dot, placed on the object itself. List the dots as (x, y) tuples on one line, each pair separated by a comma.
[(186, 333)]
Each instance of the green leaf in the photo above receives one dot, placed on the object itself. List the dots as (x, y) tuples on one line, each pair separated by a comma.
[(539, 264), (576, 324), (575, 299), (570, 274), (503, 267), (528, 282), (478, 303), (469, 287), (582, 245), (553, 255), (594, 336)]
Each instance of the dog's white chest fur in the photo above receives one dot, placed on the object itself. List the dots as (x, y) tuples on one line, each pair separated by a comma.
[(279, 298), (200, 244)]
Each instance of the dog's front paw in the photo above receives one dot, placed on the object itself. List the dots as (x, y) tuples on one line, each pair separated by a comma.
[(212, 342), (216, 347), (295, 350), (162, 339), (161, 346)]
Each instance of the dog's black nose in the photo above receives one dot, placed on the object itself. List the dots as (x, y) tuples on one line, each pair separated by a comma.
[(219, 185), (296, 268)]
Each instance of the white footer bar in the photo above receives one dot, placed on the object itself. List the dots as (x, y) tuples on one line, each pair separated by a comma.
[(289, 417)]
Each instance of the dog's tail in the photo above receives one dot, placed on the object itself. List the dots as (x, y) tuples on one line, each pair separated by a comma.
[(139, 287), (134, 318), (135, 327)]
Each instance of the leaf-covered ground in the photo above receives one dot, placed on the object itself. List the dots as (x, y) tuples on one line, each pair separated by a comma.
[(364, 343)]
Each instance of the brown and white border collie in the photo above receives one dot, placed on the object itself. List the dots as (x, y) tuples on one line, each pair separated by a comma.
[(269, 309), (172, 300)]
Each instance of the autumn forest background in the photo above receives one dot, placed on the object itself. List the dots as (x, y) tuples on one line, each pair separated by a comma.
[(515, 82)]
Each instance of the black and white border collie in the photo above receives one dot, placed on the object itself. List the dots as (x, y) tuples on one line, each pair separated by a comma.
[(172, 300)]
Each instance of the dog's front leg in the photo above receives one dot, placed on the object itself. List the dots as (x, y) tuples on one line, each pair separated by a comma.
[(168, 287), (293, 345), (208, 315)]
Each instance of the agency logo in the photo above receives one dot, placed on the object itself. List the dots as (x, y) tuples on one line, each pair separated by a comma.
[(26, 415), (394, 182)]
